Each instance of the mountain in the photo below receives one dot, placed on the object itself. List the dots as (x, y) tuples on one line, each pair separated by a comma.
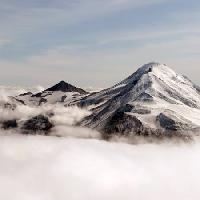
[(62, 86), (62, 92), (152, 101)]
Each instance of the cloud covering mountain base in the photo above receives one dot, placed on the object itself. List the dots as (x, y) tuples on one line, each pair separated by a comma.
[(49, 168)]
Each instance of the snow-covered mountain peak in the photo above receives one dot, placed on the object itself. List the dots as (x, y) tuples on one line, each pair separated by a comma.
[(149, 66), (141, 100), (62, 92), (148, 70), (162, 83), (152, 65), (155, 79), (65, 87), (161, 71)]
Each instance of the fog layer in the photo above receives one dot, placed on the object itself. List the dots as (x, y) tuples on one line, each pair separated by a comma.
[(49, 168)]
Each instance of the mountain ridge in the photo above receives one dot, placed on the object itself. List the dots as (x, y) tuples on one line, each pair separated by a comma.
[(141, 99), (58, 93), (154, 100)]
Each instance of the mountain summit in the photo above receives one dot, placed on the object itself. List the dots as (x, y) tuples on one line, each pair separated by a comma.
[(154, 99), (161, 83), (65, 87), (62, 92)]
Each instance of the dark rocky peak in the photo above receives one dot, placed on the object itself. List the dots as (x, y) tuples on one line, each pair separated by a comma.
[(65, 87), (26, 94)]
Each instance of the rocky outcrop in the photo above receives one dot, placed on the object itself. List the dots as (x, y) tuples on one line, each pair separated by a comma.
[(123, 124), (66, 87), (39, 124), (62, 92), (9, 106), (26, 94), (9, 124), (171, 122)]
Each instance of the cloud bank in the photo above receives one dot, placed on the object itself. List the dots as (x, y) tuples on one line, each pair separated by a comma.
[(49, 168)]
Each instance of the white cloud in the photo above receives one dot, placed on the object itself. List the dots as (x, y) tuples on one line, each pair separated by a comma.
[(4, 41), (49, 168), (148, 34), (62, 13), (16, 90)]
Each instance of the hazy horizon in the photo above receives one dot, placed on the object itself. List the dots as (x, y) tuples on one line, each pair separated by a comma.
[(39, 87)]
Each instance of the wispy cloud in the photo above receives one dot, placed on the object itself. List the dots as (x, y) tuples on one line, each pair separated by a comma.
[(4, 41), (32, 16), (97, 66), (53, 40)]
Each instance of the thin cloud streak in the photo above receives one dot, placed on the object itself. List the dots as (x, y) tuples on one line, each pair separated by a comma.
[(51, 41), (4, 41), (60, 63), (63, 13)]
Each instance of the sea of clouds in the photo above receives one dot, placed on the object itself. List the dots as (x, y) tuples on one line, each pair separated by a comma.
[(78, 165)]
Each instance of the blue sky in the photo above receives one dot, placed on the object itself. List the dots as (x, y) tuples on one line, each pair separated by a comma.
[(95, 42)]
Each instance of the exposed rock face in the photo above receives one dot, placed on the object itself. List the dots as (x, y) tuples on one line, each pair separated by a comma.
[(66, 87), (169, 121), (25, 94), (36, 95), (9, 106), (42, 100), (9, 124), (38, 124), (123, 124), (63, 98), (166, 122)]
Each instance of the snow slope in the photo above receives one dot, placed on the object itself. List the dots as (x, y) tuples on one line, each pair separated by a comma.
[(139, 100), (60, 93)]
